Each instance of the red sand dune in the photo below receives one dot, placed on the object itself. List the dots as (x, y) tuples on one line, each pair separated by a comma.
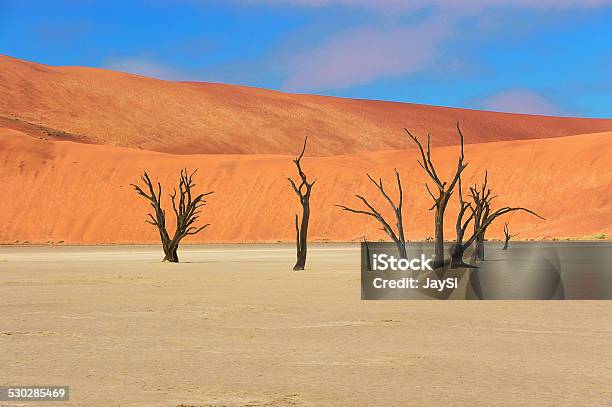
[(72, 139), (78, 193), (104, 107)]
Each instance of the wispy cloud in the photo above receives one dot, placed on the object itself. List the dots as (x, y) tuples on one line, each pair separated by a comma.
[(520, 101), (144, 67), (388, 46), (458, 4), (365, 54)]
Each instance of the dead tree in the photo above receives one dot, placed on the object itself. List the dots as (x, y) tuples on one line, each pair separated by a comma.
[(507, 236), (303, 193), (461, 225), (481, 197), (186, 206), (482, 206), (445, 191), (397, 237)]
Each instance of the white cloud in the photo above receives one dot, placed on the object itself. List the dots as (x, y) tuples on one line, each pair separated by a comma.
[(521, 101), (144, 67), (361, 55)]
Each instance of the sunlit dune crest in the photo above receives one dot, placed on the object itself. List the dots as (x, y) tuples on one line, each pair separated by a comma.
[(105, 107)]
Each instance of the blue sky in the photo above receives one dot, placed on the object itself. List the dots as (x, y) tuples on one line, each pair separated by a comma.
[(537, 56)]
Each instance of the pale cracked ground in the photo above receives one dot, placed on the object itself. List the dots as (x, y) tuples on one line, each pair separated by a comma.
[(233, 325)]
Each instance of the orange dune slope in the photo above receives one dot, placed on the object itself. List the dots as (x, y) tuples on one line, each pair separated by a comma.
[(59, 191), (104, 107)]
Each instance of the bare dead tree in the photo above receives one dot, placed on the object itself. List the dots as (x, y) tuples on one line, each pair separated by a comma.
[(461, 225), (482, 206), (397, 236), (507, 236), (303, 193), (445, 191), (186, 206), (482, 197)]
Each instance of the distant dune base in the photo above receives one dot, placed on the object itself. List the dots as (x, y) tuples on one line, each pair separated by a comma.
[(79, 194)]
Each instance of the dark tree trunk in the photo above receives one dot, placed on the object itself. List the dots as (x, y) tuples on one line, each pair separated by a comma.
[(456, 253), (481, 200), (368, 259), (171, 254), (507, 236), (302, 238), (458, 249), (479, 248), (301, 260), (439, 240), (401, 248), (301, 229)]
